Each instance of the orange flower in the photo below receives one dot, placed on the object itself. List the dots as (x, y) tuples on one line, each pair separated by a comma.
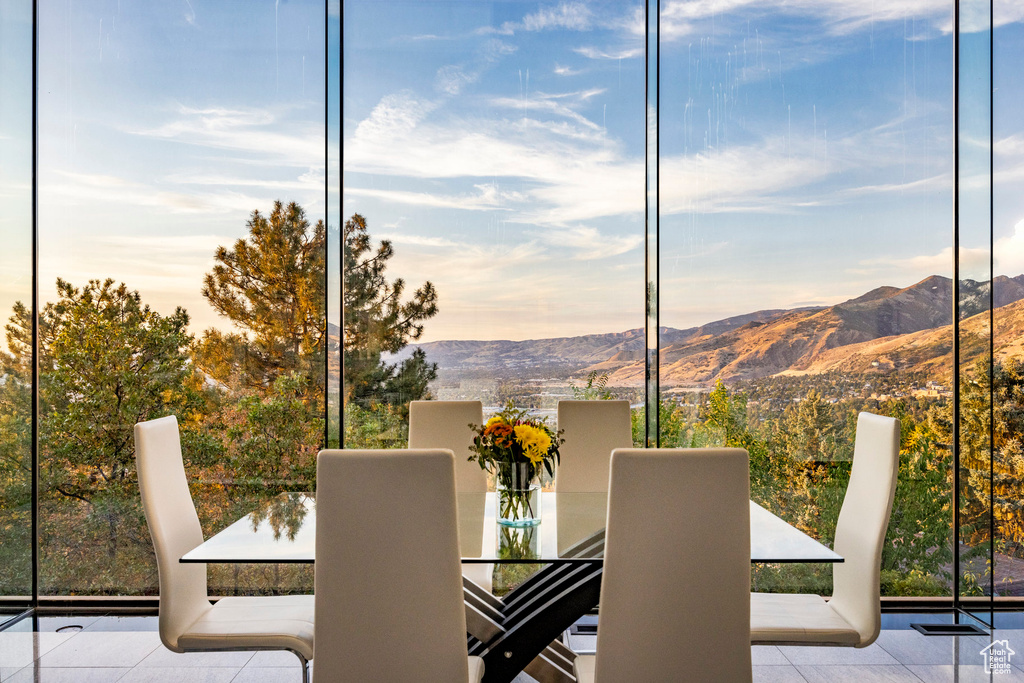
[(501, 433)]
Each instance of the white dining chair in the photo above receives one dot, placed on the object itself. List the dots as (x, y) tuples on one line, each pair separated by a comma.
[(389, 598), (445, 424), (675, 593), (852, 617), (592, 430), (188, 622)]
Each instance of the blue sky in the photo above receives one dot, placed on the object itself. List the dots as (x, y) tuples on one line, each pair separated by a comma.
[(15, 154), (805, 156), (805, 149), (162, 126)]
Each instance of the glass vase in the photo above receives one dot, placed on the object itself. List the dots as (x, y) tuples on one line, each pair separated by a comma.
[(518, 495), (518, 543)]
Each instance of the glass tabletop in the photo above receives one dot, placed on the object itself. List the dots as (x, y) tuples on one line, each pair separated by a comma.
[(571, 529)]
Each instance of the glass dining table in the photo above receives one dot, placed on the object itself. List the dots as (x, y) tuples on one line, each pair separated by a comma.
[(518, 631)]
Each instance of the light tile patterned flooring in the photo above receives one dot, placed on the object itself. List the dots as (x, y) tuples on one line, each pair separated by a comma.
[(128, 650)]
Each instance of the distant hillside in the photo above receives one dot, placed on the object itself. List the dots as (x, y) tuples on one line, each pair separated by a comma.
[(797, 341), (884, 329), (929, 350), (572, 353)]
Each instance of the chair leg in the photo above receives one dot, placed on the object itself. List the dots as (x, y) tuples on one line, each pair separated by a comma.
[(305, 667)]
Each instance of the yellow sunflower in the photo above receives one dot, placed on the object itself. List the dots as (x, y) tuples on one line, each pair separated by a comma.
[(535, 442)]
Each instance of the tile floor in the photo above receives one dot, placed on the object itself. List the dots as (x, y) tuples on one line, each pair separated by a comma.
[(128, 650)]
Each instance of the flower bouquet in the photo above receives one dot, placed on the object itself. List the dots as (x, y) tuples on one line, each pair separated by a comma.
[(515, 447)]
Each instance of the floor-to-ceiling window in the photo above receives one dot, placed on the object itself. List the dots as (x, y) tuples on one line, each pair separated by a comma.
[(1008, 236), (806, 216), (493, 159), (15, 296), (333, 189), (975, 306), (470, 176), (805, 191), (181, 176)]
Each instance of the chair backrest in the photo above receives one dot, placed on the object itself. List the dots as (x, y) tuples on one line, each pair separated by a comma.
[(388, 584), (863, 520), (173, 525), (593, 429), (675, 594), (445, 424)]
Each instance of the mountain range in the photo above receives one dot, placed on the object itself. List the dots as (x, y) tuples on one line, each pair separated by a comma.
[(885, 329)]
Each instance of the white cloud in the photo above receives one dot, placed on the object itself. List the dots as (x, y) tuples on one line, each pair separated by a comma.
[(539, 102), (1009, 163), (165, 245), (974, 263), (488, 198), (565, 71), (76, 189), (1010, 146), (495, 48), (505, 288), (598, 53), (313, 179), (394, 116), (684, 18), (451, 79), (1009, 252), (17, 190), (574, 171), (467, 266), (920, 185), (420, 240), (569, 171), (252, 134), (588, 244), (633, 24), (574, 16), (1004, 175), (738, 178), (698, 9), (976, 16)]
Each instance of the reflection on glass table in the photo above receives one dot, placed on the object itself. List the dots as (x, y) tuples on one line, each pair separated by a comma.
[(519, 631), (571, 530)]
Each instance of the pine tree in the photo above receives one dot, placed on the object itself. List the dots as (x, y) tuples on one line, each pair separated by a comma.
[(378, 321), (107, 361), (271, 286)]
